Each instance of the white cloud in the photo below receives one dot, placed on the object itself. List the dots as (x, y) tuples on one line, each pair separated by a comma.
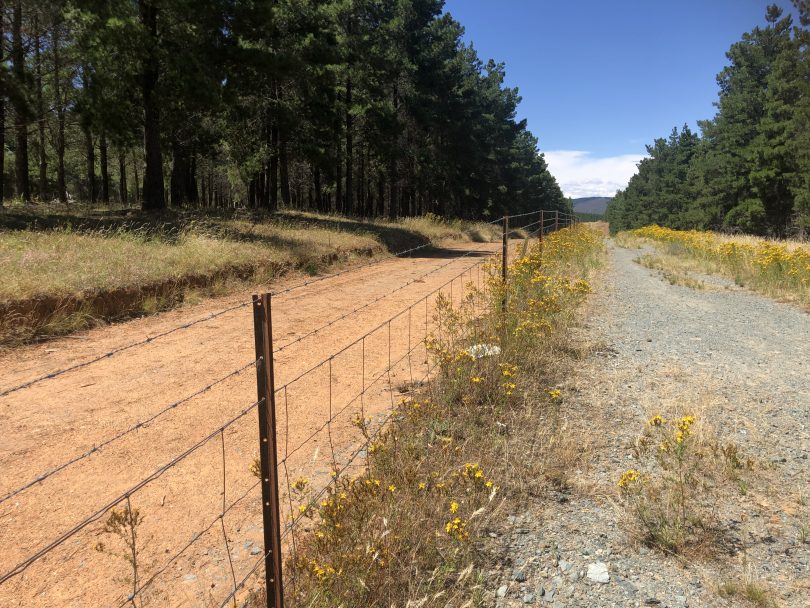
[(581, 174)]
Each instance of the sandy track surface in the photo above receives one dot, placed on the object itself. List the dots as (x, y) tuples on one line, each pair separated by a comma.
[(733, 358), (52, 421)]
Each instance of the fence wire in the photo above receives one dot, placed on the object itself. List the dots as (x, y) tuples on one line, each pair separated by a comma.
[(358, 401)]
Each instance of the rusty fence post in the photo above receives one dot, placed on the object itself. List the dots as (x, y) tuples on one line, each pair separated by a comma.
[(266, 390)]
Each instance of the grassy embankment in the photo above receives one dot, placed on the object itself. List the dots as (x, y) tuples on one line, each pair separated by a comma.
[(66, 270), (778, 269), (461, 453)]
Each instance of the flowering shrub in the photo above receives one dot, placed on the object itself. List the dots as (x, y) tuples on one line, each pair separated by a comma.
[(669, 495), (765, 265)]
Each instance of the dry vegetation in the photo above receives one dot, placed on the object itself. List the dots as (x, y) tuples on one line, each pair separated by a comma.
[(671, 497), (66, 271), (461, 452), (675, 270), (778, 269)]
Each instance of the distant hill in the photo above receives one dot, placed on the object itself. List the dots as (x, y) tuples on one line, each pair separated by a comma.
[(592, 204)]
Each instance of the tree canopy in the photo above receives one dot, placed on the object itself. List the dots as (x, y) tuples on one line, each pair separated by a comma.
[(750, 169), (368, 107)]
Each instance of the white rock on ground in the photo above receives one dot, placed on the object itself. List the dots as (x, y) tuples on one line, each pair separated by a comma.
[(598, 572)]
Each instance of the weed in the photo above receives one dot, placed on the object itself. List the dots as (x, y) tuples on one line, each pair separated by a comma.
[(775, 268), (123, 523), (669, 497)]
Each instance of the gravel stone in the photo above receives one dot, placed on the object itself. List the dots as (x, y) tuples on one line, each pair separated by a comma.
[(598, 572)]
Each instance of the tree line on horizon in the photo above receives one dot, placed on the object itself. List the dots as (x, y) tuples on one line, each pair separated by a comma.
[(366, 107), (749, 168)]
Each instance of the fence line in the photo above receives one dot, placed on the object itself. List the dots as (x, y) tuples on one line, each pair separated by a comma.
[(209, 317), (266, 404)]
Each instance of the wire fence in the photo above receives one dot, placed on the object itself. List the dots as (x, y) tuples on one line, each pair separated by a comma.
[(191, 529)]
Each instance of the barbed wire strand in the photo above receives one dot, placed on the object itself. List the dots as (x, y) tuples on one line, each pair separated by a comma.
[(375, 329), (371, 302), (118, 350), (138, 425), (22, 566)]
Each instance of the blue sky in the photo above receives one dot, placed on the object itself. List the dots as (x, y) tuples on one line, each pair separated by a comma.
[(602, 78)]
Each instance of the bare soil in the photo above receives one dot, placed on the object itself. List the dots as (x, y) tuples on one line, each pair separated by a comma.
[(54, 420)]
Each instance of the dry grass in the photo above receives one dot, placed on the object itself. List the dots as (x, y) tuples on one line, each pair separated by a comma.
[(62, 279), (673, 269), (748, 590), (483, 436), (778, 269)]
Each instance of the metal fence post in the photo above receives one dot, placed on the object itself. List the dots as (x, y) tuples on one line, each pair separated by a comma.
[(268, 456), (540, 233), (505, 258)]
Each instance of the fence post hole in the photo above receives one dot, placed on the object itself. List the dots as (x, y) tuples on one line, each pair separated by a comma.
[(266, 389), (556, 220)]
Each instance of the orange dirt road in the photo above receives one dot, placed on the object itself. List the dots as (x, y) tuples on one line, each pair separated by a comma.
[(52, 421)]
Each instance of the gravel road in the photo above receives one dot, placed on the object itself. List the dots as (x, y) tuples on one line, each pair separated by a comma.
[(737, 359)]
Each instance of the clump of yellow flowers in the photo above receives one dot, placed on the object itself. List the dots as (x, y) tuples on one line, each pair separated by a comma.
[(763, 264), (667, 498)]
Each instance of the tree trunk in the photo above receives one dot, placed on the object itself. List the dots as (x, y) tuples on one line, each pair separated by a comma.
[(316, 174), (273, 182), (61, 183), (191, 180), (285, 175), (43, 157), (361, 179), (178, 180), (105, 170), (137, 180), (393, 202), (153, 194), (338, 178), (20, 109), (2, 110), (262, 199), (122, 178), (349, 145), (91, 165)]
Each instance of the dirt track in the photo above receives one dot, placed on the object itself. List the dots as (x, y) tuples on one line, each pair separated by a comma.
[(52, 421)]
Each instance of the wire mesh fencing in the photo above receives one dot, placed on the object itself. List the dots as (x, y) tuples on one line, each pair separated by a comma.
[(190, 530)]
